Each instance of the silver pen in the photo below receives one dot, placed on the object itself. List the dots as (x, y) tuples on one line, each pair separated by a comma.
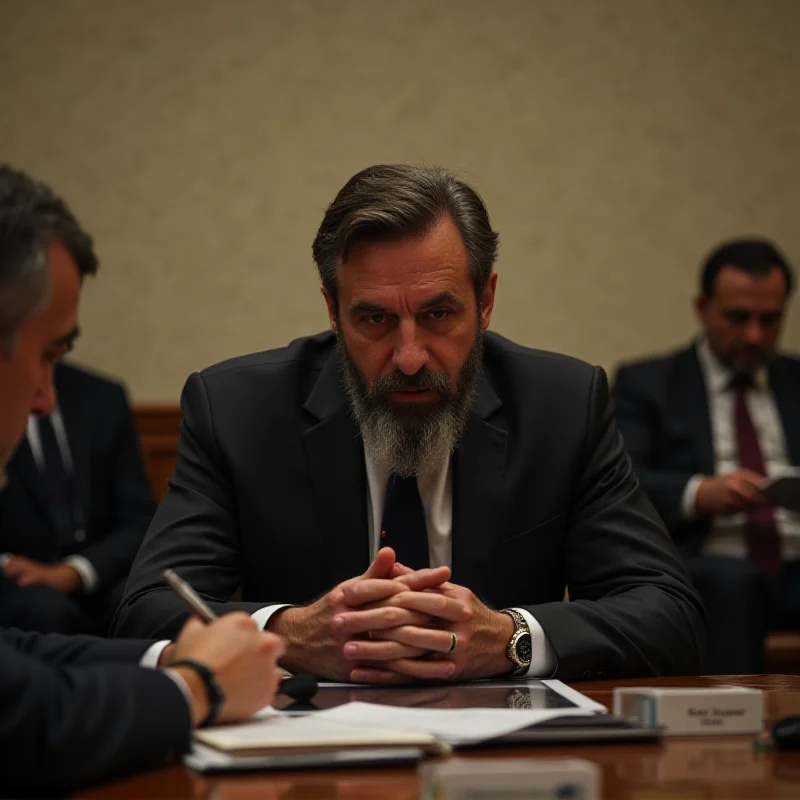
[(299, 687), (189, 596)]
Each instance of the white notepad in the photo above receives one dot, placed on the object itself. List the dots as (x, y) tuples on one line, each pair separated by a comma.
[(274, 733)]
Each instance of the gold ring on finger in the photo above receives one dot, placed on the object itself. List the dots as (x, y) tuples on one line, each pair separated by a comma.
[(453, 643)]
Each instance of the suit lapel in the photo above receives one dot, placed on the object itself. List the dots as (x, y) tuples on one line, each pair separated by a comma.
[(340, 493), (785, 388), (690, 400), (23, 466), (478, 473), (79, 440)]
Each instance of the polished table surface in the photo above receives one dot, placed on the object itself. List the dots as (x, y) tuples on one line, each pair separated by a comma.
[(686, 767)]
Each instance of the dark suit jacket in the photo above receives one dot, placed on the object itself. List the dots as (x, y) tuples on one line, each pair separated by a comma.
[(663, 415), (269, 493), (110, 480), (70, 717)]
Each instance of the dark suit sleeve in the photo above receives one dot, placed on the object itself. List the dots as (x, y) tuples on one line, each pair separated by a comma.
[(130, 504), (69, 718), (633, 610), (61, 650), (637, 418), (194, 531)]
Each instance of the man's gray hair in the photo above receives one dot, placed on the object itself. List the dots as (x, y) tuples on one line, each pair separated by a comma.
[(31, 217), (24, 277), (395, 201)]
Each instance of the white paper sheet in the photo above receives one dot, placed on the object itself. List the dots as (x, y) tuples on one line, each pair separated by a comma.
[(359, 723), (455, 726)]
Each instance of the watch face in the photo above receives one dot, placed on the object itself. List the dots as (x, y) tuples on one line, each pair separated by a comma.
[(524, 649)]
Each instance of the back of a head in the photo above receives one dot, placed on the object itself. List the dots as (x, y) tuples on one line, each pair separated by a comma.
[(24, 197), (757, 257), (24, 277), (32, 216), (394, 201)]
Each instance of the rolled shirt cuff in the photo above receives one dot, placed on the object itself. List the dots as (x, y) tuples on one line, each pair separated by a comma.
[(689, 499), (86, 570), (181, 684), (543, 657), (152, 654), (263, 615), (150, 661)]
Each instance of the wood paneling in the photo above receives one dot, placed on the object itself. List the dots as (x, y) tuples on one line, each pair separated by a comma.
[(159, 429)]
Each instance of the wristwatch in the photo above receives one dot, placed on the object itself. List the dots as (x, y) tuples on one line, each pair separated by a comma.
[(214, 693), (519, 647)]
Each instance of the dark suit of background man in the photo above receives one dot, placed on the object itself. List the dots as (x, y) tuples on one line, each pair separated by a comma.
[(75, 709), (466, 455), (704, 426), (74, 510)]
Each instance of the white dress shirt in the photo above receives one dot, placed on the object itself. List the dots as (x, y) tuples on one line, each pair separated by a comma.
[(436, 491), (727, 536), (81, 564)]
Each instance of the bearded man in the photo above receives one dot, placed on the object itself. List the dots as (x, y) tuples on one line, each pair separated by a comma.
[(407, 496)]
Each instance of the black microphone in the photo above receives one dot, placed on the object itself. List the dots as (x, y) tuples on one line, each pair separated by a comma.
[(300, 688)]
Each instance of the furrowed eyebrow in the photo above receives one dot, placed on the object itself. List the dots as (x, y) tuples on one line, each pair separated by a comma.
[(441, 299), (363, 307)]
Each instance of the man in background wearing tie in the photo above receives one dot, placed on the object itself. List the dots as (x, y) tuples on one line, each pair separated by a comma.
[(74, 510), (409, 444), (704, 426)]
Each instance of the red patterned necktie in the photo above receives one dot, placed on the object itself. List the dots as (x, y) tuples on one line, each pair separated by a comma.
[(763, 540)]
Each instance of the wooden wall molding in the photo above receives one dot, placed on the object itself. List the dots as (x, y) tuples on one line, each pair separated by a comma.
[(159, 430)]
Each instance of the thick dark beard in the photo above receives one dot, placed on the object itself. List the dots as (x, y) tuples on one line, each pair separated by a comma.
[(413, 439)]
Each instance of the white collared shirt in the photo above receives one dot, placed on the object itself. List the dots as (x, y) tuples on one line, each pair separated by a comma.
[(436, 490), (727, 535), (81, 564)]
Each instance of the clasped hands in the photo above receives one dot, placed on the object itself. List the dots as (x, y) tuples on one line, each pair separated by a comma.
[(26, 572), (740, 491), (393, 625)]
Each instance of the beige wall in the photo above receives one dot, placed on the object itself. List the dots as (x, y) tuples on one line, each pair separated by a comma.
[(614, 141)]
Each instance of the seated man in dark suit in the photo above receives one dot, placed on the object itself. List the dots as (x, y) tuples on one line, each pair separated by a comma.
[(410, 442), (704, 426), (74, 510), (77, 710)]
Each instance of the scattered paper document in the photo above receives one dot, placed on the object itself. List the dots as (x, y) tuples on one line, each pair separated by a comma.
[(455, 726)]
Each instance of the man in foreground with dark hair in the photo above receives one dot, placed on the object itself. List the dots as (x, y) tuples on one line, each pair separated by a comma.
[(407, 446), (78, 710), (704, 426)]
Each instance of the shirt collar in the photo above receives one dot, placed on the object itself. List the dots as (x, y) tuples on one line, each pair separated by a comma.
[(719, 376)]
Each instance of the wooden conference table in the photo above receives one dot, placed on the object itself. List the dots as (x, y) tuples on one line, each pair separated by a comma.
[(701, 767)]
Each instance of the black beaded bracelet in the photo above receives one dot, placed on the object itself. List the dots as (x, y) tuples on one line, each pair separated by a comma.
[(215, 695)]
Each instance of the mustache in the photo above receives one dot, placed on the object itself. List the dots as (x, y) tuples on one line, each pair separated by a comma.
[(397, 381)]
